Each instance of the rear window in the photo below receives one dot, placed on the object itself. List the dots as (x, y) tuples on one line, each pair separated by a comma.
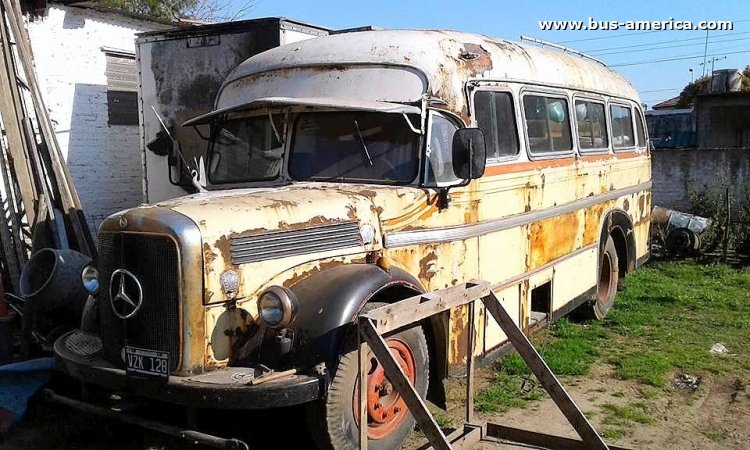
[(547, 124), (592, 125), (622, 126), (496, 118)]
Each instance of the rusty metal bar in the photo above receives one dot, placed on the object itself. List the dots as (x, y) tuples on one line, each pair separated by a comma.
[(591, 439), (193, 436), (395, 374), (363, 388), (537, 440), (470, 365), (413, 309)]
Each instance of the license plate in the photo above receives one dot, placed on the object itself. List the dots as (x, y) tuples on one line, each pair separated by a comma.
[(141, 362)]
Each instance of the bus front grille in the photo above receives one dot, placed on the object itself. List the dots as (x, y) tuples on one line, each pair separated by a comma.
[(153, 260)]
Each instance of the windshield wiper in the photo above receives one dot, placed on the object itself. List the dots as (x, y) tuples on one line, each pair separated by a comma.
[(362, 141)]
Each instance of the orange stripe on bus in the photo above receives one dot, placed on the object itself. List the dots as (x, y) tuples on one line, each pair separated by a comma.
[(544, 164)]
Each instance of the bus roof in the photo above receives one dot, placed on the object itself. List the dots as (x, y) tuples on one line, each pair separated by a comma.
[(402, 65)]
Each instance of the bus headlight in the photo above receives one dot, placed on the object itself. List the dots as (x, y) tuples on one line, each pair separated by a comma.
[(277, 306), (90, 279)]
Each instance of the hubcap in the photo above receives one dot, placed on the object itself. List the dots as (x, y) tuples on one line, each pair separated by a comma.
[(385, 407)]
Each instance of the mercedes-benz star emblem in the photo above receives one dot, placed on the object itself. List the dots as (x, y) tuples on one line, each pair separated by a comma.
[(125, 293)]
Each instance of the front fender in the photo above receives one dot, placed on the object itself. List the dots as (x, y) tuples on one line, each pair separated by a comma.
[(331, 300), (334, 297)]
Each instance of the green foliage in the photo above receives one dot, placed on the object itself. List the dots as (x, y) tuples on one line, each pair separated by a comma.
[(623, 415), (712, 203), (663, 324), (746, 79), (504, 393), (689, 92), (165, 10), (645, 367), (169, 10)]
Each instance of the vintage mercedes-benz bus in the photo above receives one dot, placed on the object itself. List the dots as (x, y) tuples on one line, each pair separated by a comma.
[(358, 169)]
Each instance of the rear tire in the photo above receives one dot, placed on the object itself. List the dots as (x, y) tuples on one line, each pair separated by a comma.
[(607, 284), (333, 421)]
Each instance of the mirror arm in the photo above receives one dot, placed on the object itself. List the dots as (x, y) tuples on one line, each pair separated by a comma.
[(411, 126), (443, 198)]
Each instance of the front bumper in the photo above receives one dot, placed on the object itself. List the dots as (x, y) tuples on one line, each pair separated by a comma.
[(224, 388)]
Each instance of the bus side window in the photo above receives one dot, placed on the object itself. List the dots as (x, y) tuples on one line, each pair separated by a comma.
[(622, 127), (592, 126), (496, 118), (547, 124), (640, 129)]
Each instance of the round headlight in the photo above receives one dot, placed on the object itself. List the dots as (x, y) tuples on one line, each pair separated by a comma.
[(277, 306), (90, 279)]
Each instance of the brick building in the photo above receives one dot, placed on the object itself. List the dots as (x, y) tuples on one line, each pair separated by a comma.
[(85, 64)]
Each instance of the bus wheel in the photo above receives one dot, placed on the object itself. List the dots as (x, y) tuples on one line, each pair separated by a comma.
[(335, 420), (606, 285)]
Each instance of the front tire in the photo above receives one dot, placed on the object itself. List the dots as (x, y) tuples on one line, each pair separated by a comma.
[(334, 421)]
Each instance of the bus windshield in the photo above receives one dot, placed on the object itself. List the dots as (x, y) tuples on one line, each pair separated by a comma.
[(246, 149), (350, 146)]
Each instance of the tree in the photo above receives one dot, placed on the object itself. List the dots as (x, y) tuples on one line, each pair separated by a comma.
[(170, 10), (746, 79)]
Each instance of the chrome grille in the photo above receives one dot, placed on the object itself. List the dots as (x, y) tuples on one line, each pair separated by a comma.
[(156, 326), (281, 244)]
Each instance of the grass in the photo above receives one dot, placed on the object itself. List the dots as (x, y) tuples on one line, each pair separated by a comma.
[(663, 324), (624, 415)]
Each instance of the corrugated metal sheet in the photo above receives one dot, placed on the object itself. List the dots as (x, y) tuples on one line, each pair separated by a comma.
[(121, 72)]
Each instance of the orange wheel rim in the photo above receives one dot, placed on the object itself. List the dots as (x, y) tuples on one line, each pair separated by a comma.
[(604, 288), (386, 410)]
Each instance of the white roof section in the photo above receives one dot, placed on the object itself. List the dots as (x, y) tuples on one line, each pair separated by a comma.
[(444, 60)]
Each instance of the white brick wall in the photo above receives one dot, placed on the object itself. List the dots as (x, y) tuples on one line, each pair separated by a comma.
[(104, 161)]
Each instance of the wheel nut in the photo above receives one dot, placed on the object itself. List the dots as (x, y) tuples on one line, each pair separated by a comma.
[(385, 415), (396, 410), (377, 405)]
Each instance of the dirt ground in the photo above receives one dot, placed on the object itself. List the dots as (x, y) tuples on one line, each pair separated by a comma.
[(715, 416)]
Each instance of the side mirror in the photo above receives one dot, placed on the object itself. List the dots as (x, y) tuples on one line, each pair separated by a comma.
[(175, 164), (469, 153)]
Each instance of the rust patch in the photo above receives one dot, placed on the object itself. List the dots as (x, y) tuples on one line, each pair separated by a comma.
[(641, 203), (315, 221), (369, 193), (351, 212), (426, 267), (208, 258), (458, 345), (224, 246), (553, 238), (626, 205), (297, 277), (593, 219), (475, 58), (277, 203)]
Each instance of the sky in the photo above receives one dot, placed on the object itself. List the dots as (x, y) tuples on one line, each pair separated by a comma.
[(634, 54)]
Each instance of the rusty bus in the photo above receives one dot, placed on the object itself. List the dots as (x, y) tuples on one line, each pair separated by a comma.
[(358, 169)]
